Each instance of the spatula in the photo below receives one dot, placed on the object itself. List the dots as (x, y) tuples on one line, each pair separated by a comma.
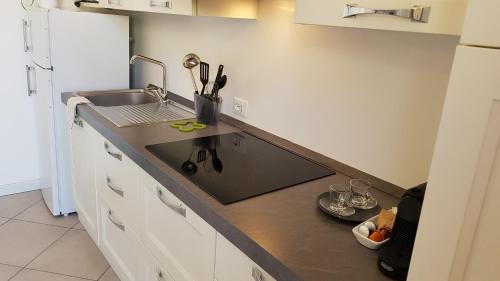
[(204, 75)]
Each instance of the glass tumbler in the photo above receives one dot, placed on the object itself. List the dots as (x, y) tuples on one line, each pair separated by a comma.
[(361, 198), (339, 198)]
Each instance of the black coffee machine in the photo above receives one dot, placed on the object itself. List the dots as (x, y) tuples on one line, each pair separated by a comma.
[(394, 257)]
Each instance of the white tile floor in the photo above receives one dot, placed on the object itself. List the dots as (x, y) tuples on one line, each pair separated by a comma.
[(36, 246)]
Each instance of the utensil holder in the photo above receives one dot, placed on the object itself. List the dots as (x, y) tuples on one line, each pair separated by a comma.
[(207, 111)]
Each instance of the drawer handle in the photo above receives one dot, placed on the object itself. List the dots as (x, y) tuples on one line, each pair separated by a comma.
[(158, 3), (113, 220), (115, 188), (416, 13), (257, 274), (181, 210), (114, 2), (116, 155)]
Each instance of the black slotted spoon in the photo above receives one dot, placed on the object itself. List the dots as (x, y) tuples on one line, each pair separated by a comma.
[(204, 75)]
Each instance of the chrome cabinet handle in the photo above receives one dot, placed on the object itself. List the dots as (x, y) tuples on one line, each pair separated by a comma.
[(27, 47), (114, 2), (416, 13), (257, 274), (158, 3), (29, 69), (113, 220), (116, 155), (181, 210), (114, 188)]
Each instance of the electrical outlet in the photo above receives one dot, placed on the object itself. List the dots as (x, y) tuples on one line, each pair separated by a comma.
[(240, 107)]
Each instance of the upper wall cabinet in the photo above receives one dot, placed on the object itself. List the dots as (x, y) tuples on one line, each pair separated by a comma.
[(243, 9), (424, 16), (482, 23)]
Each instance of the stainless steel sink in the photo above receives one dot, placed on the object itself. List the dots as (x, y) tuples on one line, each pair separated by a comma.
[(134, 107), (119, 98)]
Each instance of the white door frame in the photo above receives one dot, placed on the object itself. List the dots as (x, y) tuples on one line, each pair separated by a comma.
[(465, 149)]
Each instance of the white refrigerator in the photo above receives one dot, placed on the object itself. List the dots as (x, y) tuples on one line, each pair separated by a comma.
[(458, 231), (70, 51)]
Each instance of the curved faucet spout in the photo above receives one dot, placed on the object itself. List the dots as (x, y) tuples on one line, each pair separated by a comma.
[(134, 58)]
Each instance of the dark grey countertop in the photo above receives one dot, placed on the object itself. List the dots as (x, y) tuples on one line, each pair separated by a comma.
[(283, 232)]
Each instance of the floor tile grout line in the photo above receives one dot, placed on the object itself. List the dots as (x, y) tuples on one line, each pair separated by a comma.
[(9, 219), (42, 223), (109, 266), (46, 248), (60, 274), (26, 208), (17, 273)]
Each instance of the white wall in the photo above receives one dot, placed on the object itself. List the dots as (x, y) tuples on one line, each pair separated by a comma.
[(370, 99), (18, 154)]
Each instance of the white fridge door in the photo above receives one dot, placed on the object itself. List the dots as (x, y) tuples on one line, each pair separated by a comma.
[(482, 23), (44, 112), (89, 51), (39, 32), (457, 235)]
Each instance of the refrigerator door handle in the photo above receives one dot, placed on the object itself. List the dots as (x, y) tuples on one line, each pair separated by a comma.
[(27, 47), (30, 69)]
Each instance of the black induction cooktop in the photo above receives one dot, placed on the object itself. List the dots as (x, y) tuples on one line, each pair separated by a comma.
[(237, 166)]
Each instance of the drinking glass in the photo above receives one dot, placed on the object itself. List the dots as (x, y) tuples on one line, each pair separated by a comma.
[(339, 198), (361, 198)]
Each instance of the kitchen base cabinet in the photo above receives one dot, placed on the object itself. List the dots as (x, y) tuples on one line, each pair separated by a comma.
[(176, 236), (232, 264), (120, 245), (84, 139), (144, 231)]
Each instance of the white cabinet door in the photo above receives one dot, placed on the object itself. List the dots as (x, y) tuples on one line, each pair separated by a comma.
[(120, 4), (120, 245), (178, 7), (177, 237), (444, 17), (458, 216), (232, 264), (83, 141), (482, 23)]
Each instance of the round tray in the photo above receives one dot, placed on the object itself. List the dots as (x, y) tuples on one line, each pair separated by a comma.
[(360, 215)]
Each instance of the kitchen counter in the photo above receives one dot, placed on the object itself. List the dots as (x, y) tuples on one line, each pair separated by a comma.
[(283, 232)]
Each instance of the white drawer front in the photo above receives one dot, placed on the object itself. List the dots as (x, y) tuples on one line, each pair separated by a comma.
[(177, 237), (178, 7), (120, 245), (118, 180), (231, 264), (155, 272), (445, 17)]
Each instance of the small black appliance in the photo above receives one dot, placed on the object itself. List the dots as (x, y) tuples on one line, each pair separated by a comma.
[(394, 257)]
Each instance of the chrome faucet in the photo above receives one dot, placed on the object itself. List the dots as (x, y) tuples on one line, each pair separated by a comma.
[(160, 93)]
